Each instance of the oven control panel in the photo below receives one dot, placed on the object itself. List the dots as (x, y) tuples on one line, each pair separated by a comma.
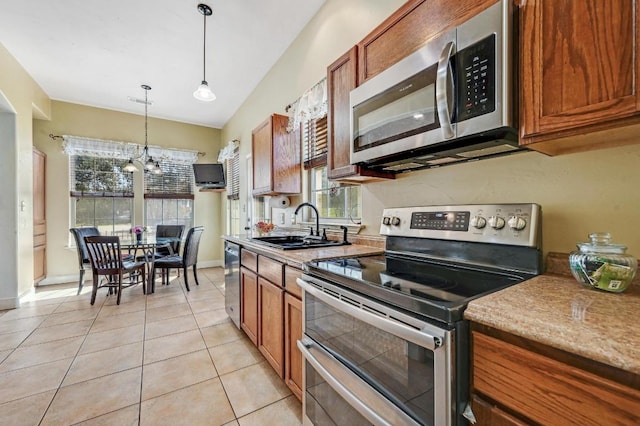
[(512, 224)]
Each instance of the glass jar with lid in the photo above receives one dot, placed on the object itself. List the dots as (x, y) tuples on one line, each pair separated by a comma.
[(603, 265)]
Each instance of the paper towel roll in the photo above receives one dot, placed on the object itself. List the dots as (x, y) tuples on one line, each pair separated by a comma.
[(280, 202)]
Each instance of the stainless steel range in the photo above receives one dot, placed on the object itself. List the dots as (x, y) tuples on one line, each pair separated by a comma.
[(385, 341)]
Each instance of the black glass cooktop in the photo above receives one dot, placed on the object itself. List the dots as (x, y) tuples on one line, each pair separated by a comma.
[(439, 290)]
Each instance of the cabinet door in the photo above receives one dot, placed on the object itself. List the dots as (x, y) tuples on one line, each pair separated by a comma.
[(249, 305), (341, 79), (408, 29), (579, 66), (487, 414), (39, 217), (261, 157), (548, 391), (286, 157), (271, 324), (293, 333)]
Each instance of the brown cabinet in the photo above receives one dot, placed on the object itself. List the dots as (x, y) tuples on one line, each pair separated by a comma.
[(271, 324), (276, 158), (341, 79), (408, 29), (530, 383), (39, 217), (293, 360), (249, 303), (579, 73)]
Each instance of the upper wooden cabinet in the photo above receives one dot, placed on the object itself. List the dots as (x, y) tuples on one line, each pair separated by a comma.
[(276, 158), (408, 29), (341, 79), (579, 73)]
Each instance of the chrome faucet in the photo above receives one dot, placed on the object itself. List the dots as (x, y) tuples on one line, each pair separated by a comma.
[(317, 216)]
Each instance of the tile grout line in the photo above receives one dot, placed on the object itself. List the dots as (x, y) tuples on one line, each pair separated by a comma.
[(44, 414)]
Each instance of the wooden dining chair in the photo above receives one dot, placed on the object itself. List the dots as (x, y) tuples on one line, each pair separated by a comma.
[(83, 255), (189, 257), (110, 269)]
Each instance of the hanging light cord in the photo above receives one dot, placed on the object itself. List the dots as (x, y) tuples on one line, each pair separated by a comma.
[(146, 105), (204, 49)]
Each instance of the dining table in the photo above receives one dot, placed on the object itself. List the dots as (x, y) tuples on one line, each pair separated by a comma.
[(144, 248)]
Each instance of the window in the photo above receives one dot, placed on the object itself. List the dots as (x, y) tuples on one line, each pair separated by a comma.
[(101, 193), (333, 200), (314, 142), (233, 192), (168, 197)]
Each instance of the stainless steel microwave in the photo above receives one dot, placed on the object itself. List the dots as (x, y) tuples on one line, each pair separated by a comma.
[(451, 101)]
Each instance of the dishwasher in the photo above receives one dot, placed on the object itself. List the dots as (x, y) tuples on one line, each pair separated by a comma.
[(232, 281)]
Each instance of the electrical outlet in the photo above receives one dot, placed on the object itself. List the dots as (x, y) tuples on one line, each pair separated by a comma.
[(293, 219), (281, 218)]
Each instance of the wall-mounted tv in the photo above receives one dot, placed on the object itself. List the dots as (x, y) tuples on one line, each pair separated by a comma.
[(209, 175)]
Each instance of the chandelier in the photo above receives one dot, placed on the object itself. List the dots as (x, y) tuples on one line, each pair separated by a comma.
[(204, 92), (146, 160)]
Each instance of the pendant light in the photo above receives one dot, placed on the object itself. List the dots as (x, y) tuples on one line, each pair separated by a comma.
[(204, 92), (148, 164)]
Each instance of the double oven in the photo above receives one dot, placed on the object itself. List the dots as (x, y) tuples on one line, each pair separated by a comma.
[(385, 341)]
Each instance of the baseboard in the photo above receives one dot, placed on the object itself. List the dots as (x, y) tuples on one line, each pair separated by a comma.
[(9, 303), (63, 279), (210, 264)]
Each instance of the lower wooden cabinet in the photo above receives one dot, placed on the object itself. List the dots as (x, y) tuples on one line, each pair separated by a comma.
[(292, 333), (271, 314), (489, 414), (271, 324), (529, 383), (249, 303)]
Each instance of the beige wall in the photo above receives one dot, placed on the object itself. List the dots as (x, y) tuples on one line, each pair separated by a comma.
[(336, 27), (579, 193), (21, 99), (78, 120)]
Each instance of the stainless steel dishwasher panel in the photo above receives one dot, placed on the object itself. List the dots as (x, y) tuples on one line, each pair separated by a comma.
[(232, 281)]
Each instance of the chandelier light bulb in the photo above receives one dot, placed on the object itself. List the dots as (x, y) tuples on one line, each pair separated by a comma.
[(130, 167)]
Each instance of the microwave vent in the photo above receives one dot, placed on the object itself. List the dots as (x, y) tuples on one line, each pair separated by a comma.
[(498, 149)]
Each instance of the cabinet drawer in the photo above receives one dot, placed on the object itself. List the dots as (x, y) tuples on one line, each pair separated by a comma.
[(270, 269), (290, 285), (548, 391), (249, 259)]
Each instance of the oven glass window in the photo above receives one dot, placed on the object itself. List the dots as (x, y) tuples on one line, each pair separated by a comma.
[(400, 370)]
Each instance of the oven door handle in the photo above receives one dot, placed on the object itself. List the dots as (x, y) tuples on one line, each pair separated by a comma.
[(363, 398), (417, 336)]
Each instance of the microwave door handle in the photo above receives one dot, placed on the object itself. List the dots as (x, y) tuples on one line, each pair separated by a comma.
[(444, 86)]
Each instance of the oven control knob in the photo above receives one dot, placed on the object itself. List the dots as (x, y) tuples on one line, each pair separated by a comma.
[(496, 222), (478, 222), (517, 223), (386, 220), (395, 221)]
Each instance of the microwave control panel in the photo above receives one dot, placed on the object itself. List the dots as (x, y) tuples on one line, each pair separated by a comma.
[(476, 79)]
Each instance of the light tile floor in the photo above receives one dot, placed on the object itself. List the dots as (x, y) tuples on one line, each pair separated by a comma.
[(169, 358)]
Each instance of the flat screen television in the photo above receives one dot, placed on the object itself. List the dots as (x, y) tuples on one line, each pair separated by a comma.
[(209, 175)]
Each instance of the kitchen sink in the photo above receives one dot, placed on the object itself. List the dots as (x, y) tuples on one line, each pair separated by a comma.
[(296, 242)]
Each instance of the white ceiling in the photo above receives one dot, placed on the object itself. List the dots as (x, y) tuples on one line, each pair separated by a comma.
[(98, 53)]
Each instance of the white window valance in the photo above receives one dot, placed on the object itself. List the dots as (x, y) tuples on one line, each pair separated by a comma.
[(310, 106), (77, 145), (228, 151)]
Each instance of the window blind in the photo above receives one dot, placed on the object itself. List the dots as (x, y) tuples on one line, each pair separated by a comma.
[(97, 177), (233, 176), (176, 181), (314, 143)]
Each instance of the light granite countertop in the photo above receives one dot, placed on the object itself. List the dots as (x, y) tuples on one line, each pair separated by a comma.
[(558, 311), (296, 258)]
